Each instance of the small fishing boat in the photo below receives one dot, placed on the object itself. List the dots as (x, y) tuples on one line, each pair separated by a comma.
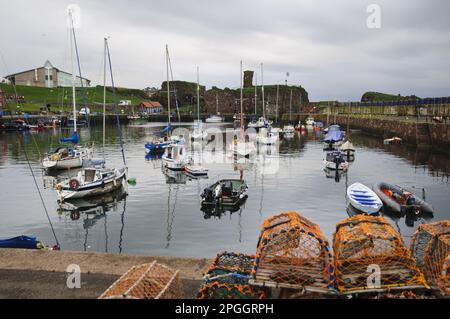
[(158, 145), (17, 125), (21, 242), (195, 170), (91, 182), (66, 157), (310, 123), (399, 200), (214, 119), (289, 129), (300, 127), (335, 160), (174, 157), (394, 140), (225, 192), (348, 149), (266, 137), (363, 198), (258, 123), (334, 135)]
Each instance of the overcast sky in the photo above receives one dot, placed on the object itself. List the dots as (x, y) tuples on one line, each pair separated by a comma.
[(325, 45)]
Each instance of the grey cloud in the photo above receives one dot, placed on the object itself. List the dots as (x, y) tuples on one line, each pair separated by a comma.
[(325, 44)]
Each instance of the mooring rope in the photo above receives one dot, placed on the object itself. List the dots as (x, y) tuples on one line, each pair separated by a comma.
[(40, 194)]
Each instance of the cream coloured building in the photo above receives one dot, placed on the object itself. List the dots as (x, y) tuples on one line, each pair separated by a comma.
[(45, 76)]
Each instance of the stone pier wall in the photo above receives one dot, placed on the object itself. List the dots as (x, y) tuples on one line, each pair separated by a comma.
[(435, 134)]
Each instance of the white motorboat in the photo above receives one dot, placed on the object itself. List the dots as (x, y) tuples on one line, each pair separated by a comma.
[(214, 119), (336, 161), (288, 129), (310, 123), (91, 182), (364, 199), (195, 170), (348, 149), (259, 123), (267, 137), (174, 157)]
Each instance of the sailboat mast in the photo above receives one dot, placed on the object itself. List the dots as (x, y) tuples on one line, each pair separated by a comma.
[(217, 103), (290, 106), (73, 77), (168, 87), (242, 105), (198, 95), (276, 111), (256, 93), (262, 89), (104, 94)]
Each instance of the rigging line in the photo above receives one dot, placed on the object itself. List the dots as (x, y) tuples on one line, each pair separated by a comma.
[(175, 91), (40, 194), (122, 219), (83, 91), (116, 109)]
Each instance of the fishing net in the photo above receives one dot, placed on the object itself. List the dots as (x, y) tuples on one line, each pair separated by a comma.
[(292, 253), (431, 247), (146, 281), (227, 278), (369, 255)]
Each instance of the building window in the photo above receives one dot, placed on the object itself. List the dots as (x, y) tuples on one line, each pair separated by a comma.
[(46, 78)]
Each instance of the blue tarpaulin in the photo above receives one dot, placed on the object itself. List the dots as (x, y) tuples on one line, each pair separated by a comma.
[(20, 242), (168, 128), (73, 139)]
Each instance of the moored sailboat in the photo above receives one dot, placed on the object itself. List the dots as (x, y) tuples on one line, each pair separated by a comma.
[(92, 180), (68, 157)]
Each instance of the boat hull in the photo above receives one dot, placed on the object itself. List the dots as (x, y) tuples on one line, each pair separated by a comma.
[(93, 189), (364, 199), (419, 206), (63, 164), (333, 166)]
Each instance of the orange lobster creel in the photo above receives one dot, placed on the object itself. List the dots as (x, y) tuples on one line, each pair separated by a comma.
[(146, 281), (431, 247), (293, 253), (370, 256), (227, 278)]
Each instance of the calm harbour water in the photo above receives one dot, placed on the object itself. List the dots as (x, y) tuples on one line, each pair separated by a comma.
[(159, 217)]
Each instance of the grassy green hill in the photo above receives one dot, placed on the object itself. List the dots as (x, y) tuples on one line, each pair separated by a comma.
[(61, 98), (377, 96)]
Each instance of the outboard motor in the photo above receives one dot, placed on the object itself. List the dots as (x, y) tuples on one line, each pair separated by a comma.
[(218, 192)]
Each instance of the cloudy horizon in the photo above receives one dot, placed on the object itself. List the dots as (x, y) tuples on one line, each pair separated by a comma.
[(325, 46)]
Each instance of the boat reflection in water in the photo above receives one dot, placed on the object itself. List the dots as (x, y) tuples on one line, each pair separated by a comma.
[(218, 210), (174, 177), (336, 174), (93, 208)]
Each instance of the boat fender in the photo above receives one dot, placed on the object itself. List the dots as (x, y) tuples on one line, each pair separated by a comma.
[(75, 215), (74, 183)]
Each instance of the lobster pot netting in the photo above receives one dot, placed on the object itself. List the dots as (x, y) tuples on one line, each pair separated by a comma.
[(293, 253), (364, 245), (146, 281), (227, 278), (431, 247)]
